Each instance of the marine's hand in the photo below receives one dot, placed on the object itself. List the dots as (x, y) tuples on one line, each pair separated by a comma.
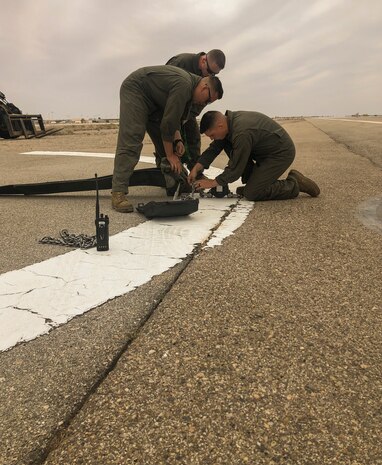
[(175, 163), (192, 176), (179, 148), (205, 183)]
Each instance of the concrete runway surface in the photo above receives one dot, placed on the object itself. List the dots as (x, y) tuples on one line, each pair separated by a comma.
[(266, 349)]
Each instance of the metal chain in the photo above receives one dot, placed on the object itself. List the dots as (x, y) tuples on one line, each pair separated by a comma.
[(81, 241)]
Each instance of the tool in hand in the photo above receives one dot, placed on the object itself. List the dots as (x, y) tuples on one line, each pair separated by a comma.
[(176, 195)]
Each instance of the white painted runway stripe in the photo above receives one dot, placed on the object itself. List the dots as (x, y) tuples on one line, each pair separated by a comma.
[(44, 295), (354, 120), (74, 154)]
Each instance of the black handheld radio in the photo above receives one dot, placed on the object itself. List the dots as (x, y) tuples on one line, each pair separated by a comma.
[(102, 225)]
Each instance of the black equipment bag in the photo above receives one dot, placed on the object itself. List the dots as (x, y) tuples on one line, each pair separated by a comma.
[(168, 208)]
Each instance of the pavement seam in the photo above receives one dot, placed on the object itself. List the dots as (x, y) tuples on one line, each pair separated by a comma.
[(59, 434), (347, 147)]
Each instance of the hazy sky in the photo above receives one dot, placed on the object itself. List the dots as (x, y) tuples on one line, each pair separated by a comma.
[(68, 58)]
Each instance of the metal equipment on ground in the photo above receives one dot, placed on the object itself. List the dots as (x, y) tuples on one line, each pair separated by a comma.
[(13, 123)]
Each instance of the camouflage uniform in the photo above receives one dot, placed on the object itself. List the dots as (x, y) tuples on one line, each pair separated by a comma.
[(259, 151), (156, 99), (190, 129)]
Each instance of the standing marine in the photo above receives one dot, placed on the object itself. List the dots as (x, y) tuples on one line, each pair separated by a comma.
[(202, 64), (156, 99)]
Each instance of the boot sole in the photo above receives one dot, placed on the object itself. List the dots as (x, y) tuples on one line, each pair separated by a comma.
[(124, 210)]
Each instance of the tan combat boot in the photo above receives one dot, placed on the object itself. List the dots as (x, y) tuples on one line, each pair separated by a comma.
[(120, 203), (305, 184)]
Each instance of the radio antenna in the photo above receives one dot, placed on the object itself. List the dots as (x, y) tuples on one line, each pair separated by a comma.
[(97, 198)]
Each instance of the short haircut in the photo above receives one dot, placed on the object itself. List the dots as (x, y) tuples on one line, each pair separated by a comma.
[(216, 85), (218, 57), (208, 121)]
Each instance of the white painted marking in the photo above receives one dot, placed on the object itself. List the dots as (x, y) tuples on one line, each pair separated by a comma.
[(44, 295), (235, 219), (143, 159), (354, 120), (71, 154)]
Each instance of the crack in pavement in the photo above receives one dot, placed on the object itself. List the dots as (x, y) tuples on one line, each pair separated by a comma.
[(85, 284), (57, 435)]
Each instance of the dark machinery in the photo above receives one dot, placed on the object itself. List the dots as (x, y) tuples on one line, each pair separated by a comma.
[(14, 124)]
